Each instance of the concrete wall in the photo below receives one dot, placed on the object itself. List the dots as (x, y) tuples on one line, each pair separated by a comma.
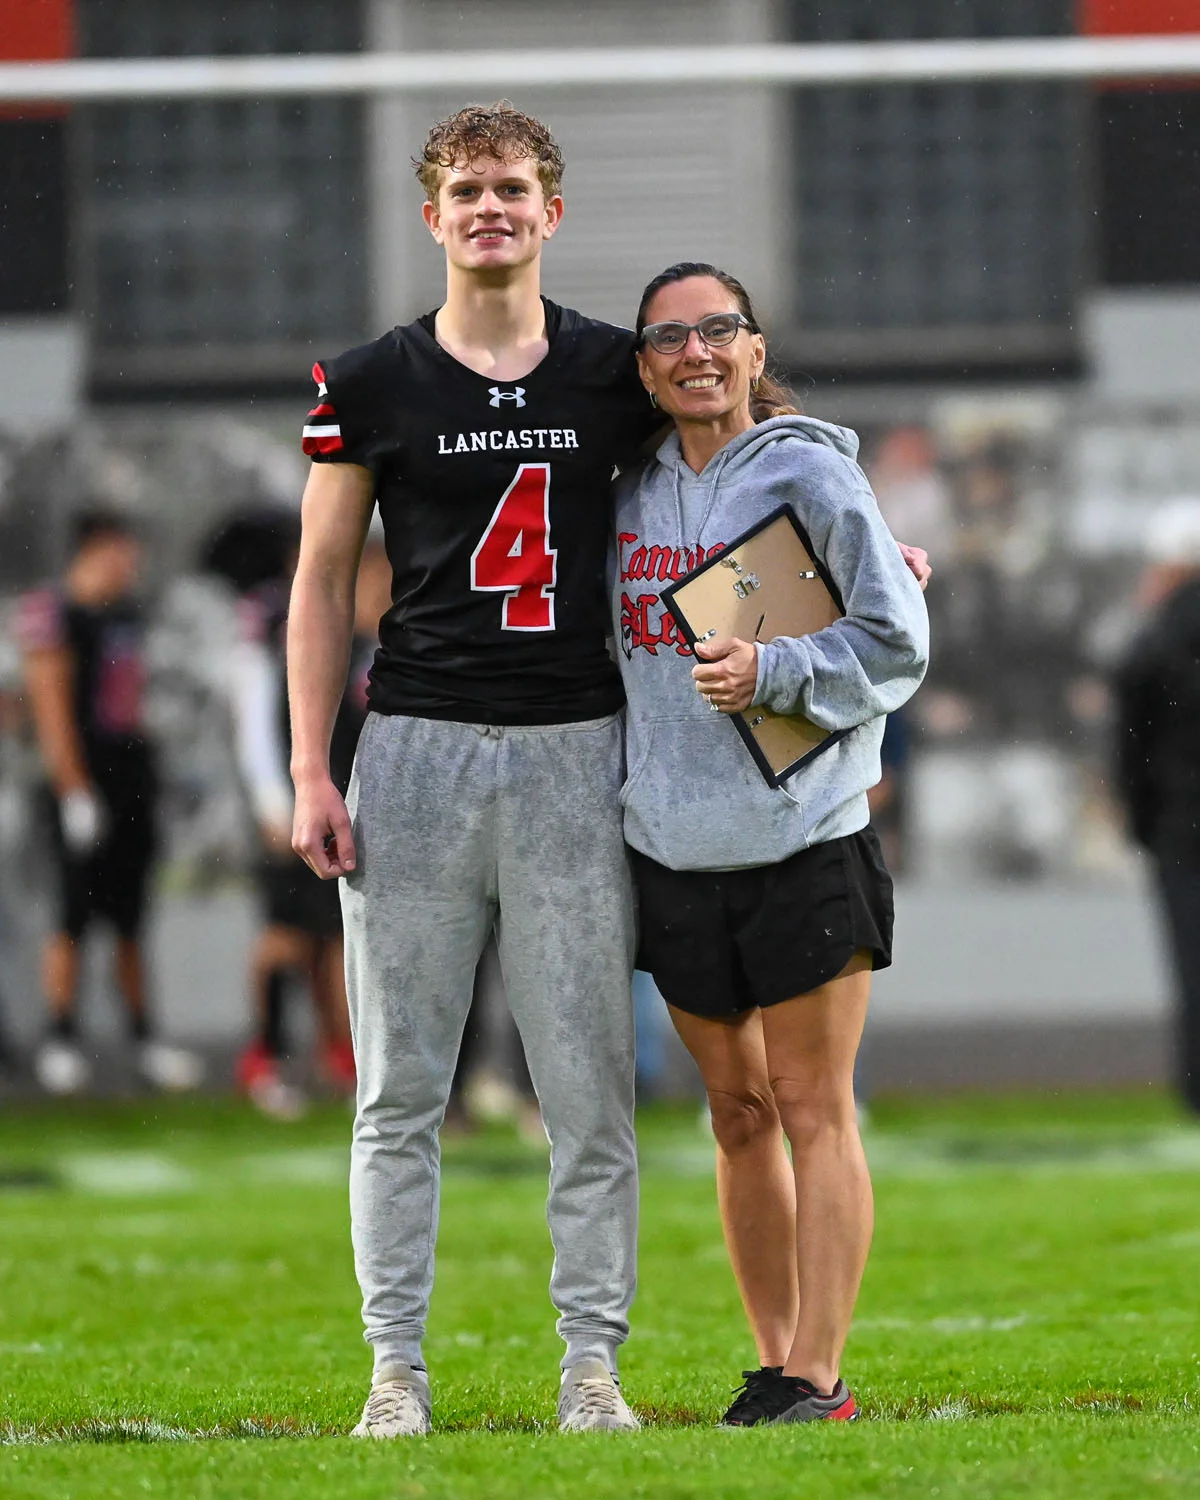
[(41, 373), (652, 177), (1142, 345)]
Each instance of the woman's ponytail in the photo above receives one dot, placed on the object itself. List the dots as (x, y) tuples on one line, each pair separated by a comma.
[(771, 398)]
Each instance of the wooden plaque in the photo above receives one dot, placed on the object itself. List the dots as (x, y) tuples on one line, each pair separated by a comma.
[(765, 583)]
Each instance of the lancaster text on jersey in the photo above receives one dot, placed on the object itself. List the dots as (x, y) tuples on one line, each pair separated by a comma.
[(495, 438)]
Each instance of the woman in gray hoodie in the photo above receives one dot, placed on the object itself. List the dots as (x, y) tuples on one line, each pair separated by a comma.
[(763, 910)]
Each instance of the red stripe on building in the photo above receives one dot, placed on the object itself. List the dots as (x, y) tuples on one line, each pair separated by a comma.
[(35, 31), (1138, 17)]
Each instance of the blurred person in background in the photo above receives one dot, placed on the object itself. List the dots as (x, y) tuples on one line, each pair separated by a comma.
[(13, 829), (914, 498), (1158, 754), (302, 931), (888, 798), (83, 642), (764, 910), (491, 1081), (652, 1029)]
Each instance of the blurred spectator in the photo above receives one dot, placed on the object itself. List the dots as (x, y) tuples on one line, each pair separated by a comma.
[(888, 799), (913, 496), (84, 672), (1158, 753), (13, 818), (302, 935), (491, 1080), (652, 1034)]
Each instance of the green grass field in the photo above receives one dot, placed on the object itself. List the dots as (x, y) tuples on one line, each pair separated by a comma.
[(178, 1315)]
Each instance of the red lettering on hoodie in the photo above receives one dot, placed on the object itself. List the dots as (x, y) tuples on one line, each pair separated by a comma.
[(645, 623)]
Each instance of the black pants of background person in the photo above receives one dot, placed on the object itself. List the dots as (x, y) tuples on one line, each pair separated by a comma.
[(1180, 887), (474, 1035)]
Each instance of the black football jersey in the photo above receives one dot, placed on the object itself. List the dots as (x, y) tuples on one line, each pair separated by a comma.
[(494, 497), (108, 656)]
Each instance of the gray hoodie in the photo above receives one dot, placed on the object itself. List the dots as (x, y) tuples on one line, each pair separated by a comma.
[(694, 799)]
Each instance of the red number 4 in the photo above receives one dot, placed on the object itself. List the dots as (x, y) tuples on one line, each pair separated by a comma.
[(514, 556)]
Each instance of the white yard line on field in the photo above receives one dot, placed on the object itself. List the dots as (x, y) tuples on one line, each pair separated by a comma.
[(891, 1154), (127, 1173)]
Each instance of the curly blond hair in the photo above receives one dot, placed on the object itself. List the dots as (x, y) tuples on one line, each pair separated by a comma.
[(498, 130)]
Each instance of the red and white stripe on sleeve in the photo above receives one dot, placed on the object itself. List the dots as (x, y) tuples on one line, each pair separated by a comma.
[(322, 431), (39, 623)]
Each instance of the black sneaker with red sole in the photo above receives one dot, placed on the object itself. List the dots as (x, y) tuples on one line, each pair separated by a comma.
[(808, 1405), (761, 1396)]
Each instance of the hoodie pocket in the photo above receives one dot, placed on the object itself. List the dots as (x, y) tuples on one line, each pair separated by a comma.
[(637, 767), (695, 800)]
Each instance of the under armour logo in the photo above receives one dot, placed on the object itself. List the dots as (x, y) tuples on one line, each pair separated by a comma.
[(517, 395)]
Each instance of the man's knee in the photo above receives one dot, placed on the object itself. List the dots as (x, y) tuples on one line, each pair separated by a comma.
[(743, 1117)]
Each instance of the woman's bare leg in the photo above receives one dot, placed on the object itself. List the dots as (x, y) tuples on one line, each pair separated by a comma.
[(811, 1043), (755, 1187)]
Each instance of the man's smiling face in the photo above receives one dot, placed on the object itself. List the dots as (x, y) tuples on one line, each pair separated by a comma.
[(492, 215)]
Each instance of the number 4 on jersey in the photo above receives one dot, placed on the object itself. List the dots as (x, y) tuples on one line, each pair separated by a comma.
[(514, 555)]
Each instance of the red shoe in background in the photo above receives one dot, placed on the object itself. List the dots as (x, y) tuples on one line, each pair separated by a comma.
[(337, 1063), (259, 1078)]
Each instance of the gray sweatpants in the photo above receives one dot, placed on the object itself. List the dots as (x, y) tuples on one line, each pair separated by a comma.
[(459, 827)]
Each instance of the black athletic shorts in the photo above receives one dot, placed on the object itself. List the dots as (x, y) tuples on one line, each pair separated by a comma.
[(294, 897), (722, 942), (113, 881)]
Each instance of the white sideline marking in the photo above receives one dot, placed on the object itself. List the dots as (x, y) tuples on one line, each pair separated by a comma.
[(146, 1174), (950, 1155), (979, 1325), (127, 1173), (968, 1324), (318, 1164), (137, 1226)]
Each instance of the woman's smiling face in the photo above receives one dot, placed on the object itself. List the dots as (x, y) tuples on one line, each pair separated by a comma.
[(701, 383)]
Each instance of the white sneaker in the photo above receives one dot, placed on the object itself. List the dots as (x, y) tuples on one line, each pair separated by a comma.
[(490, 1098), (172, 1069), (61, 1068), (275, 1097), (398, 1405), (590, 1400)]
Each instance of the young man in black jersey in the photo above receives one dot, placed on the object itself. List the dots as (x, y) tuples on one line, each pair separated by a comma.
[(488, 773), (487, 780)]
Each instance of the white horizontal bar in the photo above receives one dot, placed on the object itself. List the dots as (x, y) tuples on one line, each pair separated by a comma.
[(96, 80)]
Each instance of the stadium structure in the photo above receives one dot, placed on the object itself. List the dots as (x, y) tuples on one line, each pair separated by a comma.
[(982, 255)]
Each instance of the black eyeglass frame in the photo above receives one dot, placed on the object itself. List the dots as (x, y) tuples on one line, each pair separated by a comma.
[(740, 321)]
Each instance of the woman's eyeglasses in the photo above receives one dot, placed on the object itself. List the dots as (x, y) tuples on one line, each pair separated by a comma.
[(716, 330)]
